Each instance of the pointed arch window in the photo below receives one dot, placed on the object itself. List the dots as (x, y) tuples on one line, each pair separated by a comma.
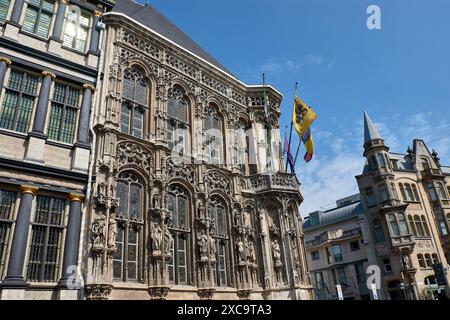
[(213, 136), (134, 102), (178, 203), (127, 260), (178, 124), (425, 163), (220, 241)]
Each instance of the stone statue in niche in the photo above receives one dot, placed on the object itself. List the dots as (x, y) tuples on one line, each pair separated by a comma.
[(168, 240), (406, 261), (98, 230), (112, 231), (276, 252), (212, 248), (240, 250), (251, 254), (156, 236), (203, 246)]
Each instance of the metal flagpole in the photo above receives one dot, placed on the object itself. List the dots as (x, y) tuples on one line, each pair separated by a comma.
[(290, 133)]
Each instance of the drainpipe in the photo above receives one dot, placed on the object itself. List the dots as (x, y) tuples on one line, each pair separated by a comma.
[(101, 26)]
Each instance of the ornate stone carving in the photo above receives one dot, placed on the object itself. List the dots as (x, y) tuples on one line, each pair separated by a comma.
[(98, 232), (180, 65), (158, 292), (178, 168), (215, 180), (138, 43), (112, 232), (241, 252), (251, 253), (97, 291), (203, 246), (168, 241), (129, 153), (206, 293), (276, 253), (244, 294), (157, 236)]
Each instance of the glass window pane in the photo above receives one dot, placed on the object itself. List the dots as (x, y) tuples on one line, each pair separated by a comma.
[(137, 123), (118, 255), (182, 263), (7, 201), (122, 192), (67, 133), (54, 121), (135, 201), (182, 212), (125, 119), (30, 19), (4, 5)]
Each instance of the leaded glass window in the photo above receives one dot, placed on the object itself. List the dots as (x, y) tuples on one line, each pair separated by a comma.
[(18, 101), (76, 29), (221, 264), (178, 121), (134, 102), (127, 259), (178, 205), (221, 239), (7, 203), (63, 113), (4, 5), (38, 17), (46, 239), (213, 137), (217, 210)]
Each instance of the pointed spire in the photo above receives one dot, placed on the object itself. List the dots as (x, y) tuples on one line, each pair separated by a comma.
[(370, 131)]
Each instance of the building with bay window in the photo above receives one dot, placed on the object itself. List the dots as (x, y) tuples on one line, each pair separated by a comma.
[(49, 58), (406, 205), (189, 200)]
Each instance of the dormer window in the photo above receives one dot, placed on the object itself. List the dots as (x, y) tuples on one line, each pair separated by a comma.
[(425, 163)]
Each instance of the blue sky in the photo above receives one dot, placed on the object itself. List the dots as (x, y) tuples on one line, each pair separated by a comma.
[(399, 74)]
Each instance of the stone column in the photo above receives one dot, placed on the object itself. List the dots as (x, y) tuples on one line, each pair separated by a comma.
[(95, 34), (80, 159), (4, 63), (16, 12), (83, 123), (59, 20), (42, 105), (71, 244), (14, 278)]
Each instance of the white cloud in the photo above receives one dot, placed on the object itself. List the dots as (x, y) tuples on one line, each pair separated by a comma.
[(328, 178)]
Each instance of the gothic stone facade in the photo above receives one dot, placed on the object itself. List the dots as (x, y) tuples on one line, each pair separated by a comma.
[(49, 55), (206, 224)]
